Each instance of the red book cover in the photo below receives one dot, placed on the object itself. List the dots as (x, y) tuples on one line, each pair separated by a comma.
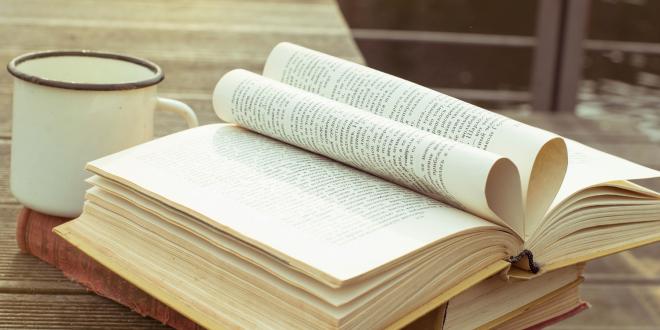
[(560, 318), (34, 235)]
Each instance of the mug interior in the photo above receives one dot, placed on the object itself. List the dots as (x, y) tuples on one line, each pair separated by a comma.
[(85, 70)]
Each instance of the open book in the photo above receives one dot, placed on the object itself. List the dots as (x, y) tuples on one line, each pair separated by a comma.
[(350, 198)]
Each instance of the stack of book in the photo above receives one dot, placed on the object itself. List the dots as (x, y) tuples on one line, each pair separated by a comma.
[(337, 196), (533, 303)]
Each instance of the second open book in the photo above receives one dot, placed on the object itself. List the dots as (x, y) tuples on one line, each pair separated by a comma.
[(359, 197)]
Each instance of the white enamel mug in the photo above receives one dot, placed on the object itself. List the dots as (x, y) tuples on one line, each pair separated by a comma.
[(71, 107)]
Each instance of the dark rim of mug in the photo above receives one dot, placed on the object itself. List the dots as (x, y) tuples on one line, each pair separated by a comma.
[(12, 67)]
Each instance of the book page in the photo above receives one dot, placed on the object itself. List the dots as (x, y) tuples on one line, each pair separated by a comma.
[(469, 178), (321, 217), (588, 167), (539, 155)]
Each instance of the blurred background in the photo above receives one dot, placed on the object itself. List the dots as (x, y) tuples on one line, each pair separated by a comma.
[(598, 57)]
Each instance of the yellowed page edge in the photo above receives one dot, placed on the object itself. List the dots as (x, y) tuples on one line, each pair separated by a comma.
[(163, 296), (447, 295), (599, 254)]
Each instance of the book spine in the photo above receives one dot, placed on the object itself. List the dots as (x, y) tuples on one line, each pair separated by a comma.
[(34, 235)]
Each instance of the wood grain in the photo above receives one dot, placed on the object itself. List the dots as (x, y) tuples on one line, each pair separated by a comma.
[(23, 273), (196, 42), (82, 311), (5, 194)]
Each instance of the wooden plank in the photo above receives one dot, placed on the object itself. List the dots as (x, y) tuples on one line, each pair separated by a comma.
[(291, 14), (5, 117), (23, 273), (5, 194), (86, 311), (204, 51), (194, 31)]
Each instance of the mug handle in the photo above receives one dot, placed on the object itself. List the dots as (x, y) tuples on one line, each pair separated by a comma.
[(180, 109)]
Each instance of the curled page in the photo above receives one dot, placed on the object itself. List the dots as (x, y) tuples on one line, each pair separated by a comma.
[(469, 178), (540, 156), (589, 167)]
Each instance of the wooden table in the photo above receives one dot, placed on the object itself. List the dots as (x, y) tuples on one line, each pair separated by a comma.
[(196, 42)]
